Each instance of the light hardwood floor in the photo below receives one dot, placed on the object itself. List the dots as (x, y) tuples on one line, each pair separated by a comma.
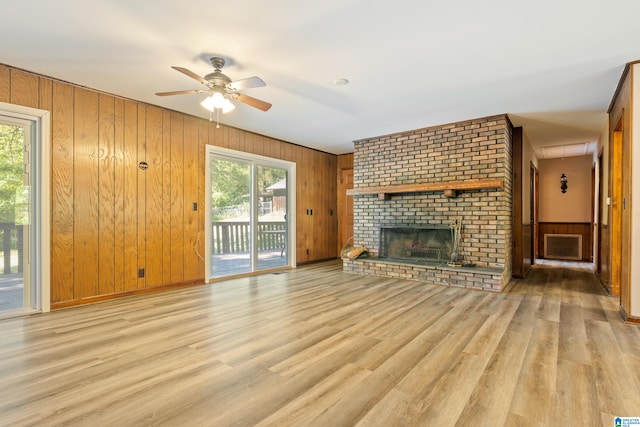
[(317, 347)]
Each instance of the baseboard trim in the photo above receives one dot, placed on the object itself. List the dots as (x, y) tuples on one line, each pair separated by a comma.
[(627, 318), (107, 297)]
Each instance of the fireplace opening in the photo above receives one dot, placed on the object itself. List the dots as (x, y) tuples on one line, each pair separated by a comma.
[(416, 244)]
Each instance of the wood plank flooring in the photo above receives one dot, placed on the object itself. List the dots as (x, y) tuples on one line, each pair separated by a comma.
[(317, 347)]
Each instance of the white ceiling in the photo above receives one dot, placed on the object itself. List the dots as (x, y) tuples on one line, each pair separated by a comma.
[(552, 65)]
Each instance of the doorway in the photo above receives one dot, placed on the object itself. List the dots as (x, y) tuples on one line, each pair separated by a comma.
[(24, 210), (345, 206), (249, 205), (534, 200), (620, 213)]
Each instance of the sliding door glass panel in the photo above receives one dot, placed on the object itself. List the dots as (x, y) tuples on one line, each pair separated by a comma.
[(271, 217), (249, 212), (14, 217), (230, 217)]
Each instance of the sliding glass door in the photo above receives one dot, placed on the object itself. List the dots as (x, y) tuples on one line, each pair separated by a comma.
[(230, 216), (24, 210), (248, 212), (272, 217), (14, 215)]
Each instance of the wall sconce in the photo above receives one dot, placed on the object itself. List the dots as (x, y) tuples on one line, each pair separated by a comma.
[(563, 183)]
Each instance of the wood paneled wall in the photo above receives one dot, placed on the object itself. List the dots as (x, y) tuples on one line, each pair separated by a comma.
[(584, 229), (345, 203), (522, 257), (110, 219)]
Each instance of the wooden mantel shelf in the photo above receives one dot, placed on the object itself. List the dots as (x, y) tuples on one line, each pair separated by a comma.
[(449, 188)]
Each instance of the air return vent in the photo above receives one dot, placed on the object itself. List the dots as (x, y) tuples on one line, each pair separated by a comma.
[(563, 246)]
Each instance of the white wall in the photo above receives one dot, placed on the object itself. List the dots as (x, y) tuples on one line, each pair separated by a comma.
[(635, 194), (575, 204)]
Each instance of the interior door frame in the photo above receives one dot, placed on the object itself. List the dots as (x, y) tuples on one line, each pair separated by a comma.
[(39, 270), (620, 213), (212, 151), (600, 213), (534, 178)]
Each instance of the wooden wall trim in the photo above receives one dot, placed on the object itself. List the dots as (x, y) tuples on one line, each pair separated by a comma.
[(520, 266)]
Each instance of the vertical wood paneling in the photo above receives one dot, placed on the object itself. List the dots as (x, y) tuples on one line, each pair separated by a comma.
[(86, 190), (344, 203), (142, 190), (320, 212), (177, 198), (249, 143), (130, 188), (106, 186), (62, 190), (106, 212), (232, 139), (153, 196), (190, 186), (330, 194), (118, 197), (519, 266), (46, 94), (5, 84), (166, 197), (304, 224), (203, 138), (222, 136), (345, 161), (287, 152), (24, 89)]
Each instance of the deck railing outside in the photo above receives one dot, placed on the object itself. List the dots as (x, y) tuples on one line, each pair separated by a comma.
[(233, 237), (11, 231)]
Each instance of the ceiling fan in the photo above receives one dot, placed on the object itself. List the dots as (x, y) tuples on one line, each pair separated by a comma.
[(221, 89)]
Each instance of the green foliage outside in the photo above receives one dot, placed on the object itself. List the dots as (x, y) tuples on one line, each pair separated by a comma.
[(13, 192), (231, 184)]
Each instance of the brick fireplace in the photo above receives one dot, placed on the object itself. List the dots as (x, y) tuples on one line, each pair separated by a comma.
[(434, 178)]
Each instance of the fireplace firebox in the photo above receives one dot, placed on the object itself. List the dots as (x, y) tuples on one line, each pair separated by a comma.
[(424, 244)]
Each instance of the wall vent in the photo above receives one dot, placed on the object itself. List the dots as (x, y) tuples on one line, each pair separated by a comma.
[(563, 246)]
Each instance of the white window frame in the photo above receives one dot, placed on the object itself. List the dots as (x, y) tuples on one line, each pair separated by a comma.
[(40, 203)]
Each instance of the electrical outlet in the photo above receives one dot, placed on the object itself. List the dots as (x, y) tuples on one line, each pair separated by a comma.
[(307, 251), (194, 206), (141, 272)]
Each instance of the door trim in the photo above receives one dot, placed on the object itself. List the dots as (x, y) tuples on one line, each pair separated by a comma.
[(41, 201)]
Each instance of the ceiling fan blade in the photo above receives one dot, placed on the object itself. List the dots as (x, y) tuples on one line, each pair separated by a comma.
[(191, 74), (248, 83), (251, 101), (180, 92)]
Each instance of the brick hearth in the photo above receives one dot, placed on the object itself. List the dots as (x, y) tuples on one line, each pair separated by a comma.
[(478, 149)]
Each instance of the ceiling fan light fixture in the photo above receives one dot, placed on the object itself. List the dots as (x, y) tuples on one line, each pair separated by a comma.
[(217, 101), (221, 89), (227, 106), (207, 103)]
